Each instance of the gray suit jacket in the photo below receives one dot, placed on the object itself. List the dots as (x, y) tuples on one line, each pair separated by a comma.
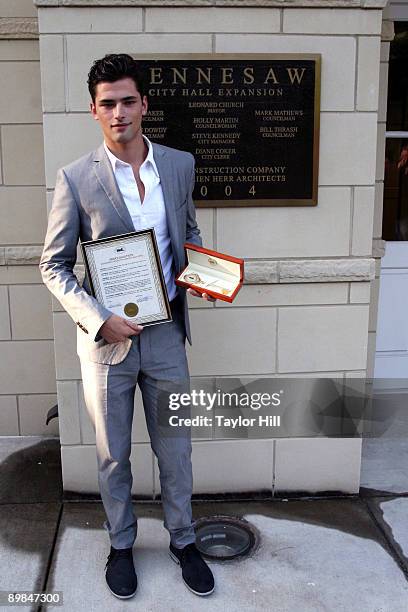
[(88, 205)]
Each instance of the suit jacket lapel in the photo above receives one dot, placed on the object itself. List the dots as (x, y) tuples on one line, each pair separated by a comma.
[(164, 167), (104, 172)]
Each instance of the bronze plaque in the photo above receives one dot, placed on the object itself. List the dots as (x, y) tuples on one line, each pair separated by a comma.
[(251, 122)]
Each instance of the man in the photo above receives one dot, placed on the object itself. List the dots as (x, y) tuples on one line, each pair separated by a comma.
[(129, 184)]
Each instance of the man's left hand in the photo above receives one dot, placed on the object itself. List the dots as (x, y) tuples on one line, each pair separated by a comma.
[(205, 296)]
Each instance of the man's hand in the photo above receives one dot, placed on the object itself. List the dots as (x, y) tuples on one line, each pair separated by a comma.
[(205, 296), (117, 329)]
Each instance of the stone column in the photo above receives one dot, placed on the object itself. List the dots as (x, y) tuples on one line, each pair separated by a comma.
[(304, 309)]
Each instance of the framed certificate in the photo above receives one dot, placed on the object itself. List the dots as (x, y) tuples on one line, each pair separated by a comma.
[(126, 276)]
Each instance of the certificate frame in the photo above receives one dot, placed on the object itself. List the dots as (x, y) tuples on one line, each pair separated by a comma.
[(94, 251)]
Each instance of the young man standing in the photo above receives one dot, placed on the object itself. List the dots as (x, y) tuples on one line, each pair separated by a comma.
[(128, 184)]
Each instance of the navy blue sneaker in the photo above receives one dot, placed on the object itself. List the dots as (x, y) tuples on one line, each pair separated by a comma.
[(196, 574), (120, 573)]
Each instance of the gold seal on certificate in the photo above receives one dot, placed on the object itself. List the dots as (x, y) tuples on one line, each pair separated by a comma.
[(126, 276), (131, 309)]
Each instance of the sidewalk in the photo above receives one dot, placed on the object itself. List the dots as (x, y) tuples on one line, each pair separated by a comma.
[(316, 555)]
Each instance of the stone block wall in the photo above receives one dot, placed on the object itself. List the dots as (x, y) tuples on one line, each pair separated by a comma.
[(387, 35), (309, 306), (305, 308), (27, 370)]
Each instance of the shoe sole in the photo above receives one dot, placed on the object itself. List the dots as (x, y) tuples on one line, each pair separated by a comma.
[(172, 556), (121, 596)]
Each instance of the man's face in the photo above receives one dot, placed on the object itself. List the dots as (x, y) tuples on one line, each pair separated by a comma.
[(119, 108)]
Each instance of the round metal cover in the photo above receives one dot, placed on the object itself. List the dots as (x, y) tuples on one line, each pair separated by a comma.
[(225, 537)]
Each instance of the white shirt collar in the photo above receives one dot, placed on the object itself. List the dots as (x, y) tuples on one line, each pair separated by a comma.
[(149, 158)]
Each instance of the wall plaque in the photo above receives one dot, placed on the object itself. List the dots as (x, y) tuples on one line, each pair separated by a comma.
[(251, 122)]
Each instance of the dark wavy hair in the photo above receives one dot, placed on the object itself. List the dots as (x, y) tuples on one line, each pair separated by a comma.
[(113, 67)]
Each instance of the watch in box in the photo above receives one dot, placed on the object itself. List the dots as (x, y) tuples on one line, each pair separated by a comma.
[(211, 272)]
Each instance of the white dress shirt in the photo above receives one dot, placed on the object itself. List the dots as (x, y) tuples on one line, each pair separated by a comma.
[(149, 213)]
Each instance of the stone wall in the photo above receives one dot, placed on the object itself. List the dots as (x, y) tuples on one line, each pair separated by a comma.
[(387, 34), (27, 372), (305, 308)]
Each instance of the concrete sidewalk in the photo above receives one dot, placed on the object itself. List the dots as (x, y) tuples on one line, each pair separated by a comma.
[(320, 555)]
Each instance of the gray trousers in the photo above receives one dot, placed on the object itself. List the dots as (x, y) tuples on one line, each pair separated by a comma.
[(157, 356)]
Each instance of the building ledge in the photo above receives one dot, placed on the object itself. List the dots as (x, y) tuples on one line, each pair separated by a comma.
[(18, 27), (364, 4), (257, 272), (262, 272)]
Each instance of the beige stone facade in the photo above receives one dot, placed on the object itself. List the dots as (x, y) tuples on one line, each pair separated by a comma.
[(27, 370), (308, 307)]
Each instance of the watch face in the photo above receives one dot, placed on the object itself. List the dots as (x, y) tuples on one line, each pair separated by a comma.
[(192, 277)]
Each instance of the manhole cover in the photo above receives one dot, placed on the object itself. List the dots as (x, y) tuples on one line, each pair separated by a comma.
[(225, 537)]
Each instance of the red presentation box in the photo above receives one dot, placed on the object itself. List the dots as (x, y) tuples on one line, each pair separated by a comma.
[(211, 272)]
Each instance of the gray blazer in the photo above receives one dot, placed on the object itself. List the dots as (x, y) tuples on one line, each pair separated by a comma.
[(87, 205)]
